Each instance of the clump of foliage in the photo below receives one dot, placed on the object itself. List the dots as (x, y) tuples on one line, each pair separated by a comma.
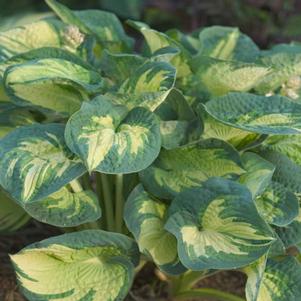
[(186, 154)]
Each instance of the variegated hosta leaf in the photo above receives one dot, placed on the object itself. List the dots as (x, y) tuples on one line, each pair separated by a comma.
[(280, 281), (277, 205), (260, 114), (116, 66), (288, 145), (105, 26), (145, 218), (220, 77), (111, 139), (258, 174), (12, 216), (181, 168), (35, 162), (291, 234), (43, 33), (227, 43), (149, 85), (65, 209), (217, 226), (215, 129), (179, 124), (255, 272), (283, 64), (89, 265), (51, 83), (156, 40), (13, 117)]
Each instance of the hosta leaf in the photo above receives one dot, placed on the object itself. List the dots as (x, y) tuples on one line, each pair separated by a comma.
[(105, 26), (220, 77), (12, 216), (281, 280), (149, 85), (259, 114), (283, 65), (87, 265), (258, 174), (255, 273), (215, 129), (110, 139), (179, 124), (291, 234), (181, 168), (156, 40), (227, 43), (288, 145), (56, 84), (217, 226), (287, 172), (277, 205), (43, 33), (145, 218), (35, 162), (116, 66), (65, 209)]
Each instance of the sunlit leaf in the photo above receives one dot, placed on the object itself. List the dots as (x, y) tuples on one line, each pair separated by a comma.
[(217, 226), (186, 167), (87, 265), (111, 139)]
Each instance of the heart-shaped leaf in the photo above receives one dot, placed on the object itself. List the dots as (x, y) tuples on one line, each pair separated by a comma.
[(51, 83), (259, 114), (181, 168), (258, 174), (12, 216), (65, 209), (111, 139), (217, 226), (35, 162), (99, 266), (145, 218)]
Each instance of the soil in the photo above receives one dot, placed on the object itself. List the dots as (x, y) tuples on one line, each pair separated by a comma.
[(146, 287)]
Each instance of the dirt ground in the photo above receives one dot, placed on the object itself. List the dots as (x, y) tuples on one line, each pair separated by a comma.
[(146, 287)]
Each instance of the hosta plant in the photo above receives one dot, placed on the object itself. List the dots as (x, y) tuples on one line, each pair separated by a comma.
[(184, 152)]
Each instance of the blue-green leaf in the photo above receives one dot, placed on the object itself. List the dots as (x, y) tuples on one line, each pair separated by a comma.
[(217, 226), (145, 218), (35, 162), (111, 139), (186, 167), (259, 114)]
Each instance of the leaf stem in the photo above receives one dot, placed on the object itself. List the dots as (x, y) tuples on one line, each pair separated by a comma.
[(100, 196), (209, 293), (119, 202), (108, 202), (87, 182)]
